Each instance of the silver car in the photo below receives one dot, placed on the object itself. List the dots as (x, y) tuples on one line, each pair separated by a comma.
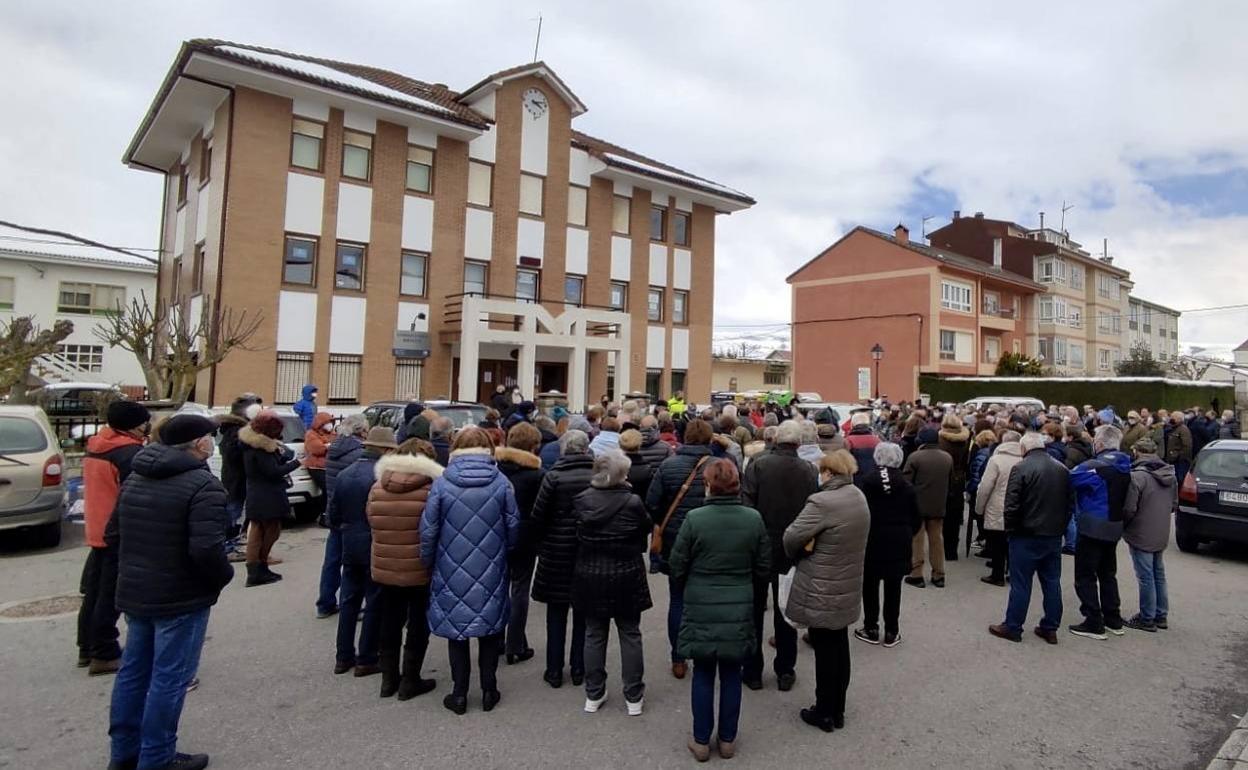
[(32, 474)]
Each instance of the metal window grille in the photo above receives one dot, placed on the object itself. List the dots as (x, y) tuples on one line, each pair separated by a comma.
[(294, 370), (344, 379), (407, 373)]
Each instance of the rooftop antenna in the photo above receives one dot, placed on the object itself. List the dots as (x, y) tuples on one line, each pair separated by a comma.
[(1065, 208), (537, 42), (923, 224)]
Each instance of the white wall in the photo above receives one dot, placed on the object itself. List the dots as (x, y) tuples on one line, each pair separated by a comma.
[(530, 238), (305, 202), (578, 167), (682, 262), (658, 264), (355, 212), (534, 141), (417, 223), (621, 257), (577, 256), (346, 325), (296, 321), (680, 349), (482, 148), (479, 234), (656, 339)]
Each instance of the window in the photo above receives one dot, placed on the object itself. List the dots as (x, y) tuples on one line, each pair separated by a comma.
[(419, 169), (1107, 286), (948, 345), (1044, 349), (621, 214), (531, 188), (680, 228), (357, 155), (774, 378), (1102, 359), (480, 183), (294, 370), (183, 182), (412, 273), (7, 292), (407, 373), (475, 277), (205, 160), (1161, 356), (955, 296), (349, 266), (574, 289), (992, 303), (652, 382), (654, 305), (1059, 351), (527, 285), (1102, 321), (88, 358), (1059, 310), (678, 380), (1074, 316), (89, 298), (992, 350), (344, 378), (1076, 355), (680, 307), (306, 140), (197, 269), (658, 223), (578, 198), (1051, 270), (300, 262), (619, 295), (1076, 276), (1044, 309)]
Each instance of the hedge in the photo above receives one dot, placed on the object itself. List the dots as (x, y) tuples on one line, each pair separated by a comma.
[(1124, 393)]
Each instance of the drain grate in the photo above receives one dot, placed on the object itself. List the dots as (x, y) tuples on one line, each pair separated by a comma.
[(46, 607)]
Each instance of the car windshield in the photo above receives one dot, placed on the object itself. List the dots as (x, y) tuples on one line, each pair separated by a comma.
[(463, 416), (19, 435), (292, 429), (1222, 464)]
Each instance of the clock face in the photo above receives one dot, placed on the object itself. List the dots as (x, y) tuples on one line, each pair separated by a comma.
[(535, 103)]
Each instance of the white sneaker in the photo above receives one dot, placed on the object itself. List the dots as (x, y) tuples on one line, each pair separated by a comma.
[(592, 706), (634, 709)]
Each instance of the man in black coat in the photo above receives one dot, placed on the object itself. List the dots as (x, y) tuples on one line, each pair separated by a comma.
[(777, 484), (345, 450), (170, 529), (232, 474), (1038, 500)]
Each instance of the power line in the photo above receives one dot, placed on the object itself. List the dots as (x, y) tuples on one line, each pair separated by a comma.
[(47, 242), (78, 240)]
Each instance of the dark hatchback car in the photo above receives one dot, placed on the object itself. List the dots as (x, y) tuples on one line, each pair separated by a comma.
[(390, 413), (1213, 499)]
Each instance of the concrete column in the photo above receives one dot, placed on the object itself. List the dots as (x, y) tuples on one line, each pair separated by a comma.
[(469, 351), (623, 363), (576, 379), (526, 369)]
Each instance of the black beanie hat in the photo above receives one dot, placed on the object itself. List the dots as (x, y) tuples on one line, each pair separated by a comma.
[(127, 415), (928, 436), (182, 428)]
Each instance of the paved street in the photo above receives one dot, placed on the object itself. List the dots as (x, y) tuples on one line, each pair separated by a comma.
[(949, 696)]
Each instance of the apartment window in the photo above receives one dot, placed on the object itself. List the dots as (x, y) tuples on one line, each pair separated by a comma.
[(88, 358), (1059, 351), (658, 223), (412, 273), (357, 155), (480, 183), (955, 296), (619, 295), (621, 214), (992, 303), (7, 292), (475, 274), (1044, 309), (1174, 335), (1108, 286), (1044, 349), (654, 305), (680, 228), (527, 285), (1059, 310), (680, 307), (948, 345), (1102, 321), (1076, 355), (1161, 356), (1076, 276), (89, 298), (184, 174), (578, 199), (349, 266), (300, 262), (307, 137), (205, 160), (574, 289), (774, 378), (294, 370), (652, 382), (419, 169), (992, 350), (197, 269), (1161, 331), (678, 380), (1051, 270), (531, 191), (1074, 316), (1102, 359)]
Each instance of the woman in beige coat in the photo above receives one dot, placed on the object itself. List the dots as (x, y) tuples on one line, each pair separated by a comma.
[(827, 586), (990, 502)]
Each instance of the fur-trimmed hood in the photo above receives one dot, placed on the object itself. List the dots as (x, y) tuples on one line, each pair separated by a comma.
[(961, 434), (506, 454), (471, 450), (230, 419), (399, 474), (754, 448), (259, 441)]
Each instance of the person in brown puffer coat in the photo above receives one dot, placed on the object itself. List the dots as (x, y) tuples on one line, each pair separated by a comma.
[(395, 505), (955, 439)]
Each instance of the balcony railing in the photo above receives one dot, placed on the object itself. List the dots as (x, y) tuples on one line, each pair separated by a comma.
[(997, 311)]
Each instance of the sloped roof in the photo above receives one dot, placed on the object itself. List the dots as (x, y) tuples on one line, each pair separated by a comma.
[(628, 160), (538, 68), (1243, 345)]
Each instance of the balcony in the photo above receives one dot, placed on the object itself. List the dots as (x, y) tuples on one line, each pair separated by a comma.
[(993, 316)]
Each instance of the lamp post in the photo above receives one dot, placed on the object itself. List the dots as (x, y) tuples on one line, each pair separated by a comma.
[(877, 353)]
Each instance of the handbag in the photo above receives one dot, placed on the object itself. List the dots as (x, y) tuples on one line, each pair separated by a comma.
[(656, 539), (785, 587)]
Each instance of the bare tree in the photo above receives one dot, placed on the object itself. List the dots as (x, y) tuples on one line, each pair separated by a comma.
[(171, 346), (1187, 368), (21, 342)]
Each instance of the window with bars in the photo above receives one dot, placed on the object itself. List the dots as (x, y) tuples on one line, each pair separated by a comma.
[(678, 380), (407, 373), (88, 358), (344, 378), (294, 370), (652, 382), (774, 378)]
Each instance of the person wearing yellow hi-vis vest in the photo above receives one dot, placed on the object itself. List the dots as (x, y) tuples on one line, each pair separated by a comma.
[(676, 404)]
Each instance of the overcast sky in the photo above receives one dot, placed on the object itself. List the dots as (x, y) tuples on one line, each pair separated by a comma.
[(1133, 112)]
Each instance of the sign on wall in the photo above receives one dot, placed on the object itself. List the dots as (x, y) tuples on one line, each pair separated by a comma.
[(864, 382), (411, 344)]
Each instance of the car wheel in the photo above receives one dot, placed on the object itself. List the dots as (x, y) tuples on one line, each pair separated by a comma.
[(1187, 541), (48, 535)]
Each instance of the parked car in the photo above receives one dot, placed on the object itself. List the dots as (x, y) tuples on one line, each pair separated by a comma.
[(32, 478), (1009, 402), (390, 413), (1213, 499), (73, 398), (302, 489)]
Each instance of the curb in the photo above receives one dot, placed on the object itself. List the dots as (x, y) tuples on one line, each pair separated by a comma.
[(1234, 753)]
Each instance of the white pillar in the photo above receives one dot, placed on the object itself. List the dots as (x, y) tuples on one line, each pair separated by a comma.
[(576, 379), (526, 370), (469, 352), (623, 361)]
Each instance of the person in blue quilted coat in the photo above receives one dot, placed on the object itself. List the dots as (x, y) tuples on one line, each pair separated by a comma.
[(470, 523)]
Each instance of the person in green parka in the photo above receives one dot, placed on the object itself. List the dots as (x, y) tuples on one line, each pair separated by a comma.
[(721, 552)]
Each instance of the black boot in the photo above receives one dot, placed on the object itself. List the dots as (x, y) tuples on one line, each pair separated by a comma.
[(389, 662), (412, 685), (259, 575), (273, 576)]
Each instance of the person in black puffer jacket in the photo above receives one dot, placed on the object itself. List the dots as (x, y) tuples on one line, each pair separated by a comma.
[(687, 464), (610, 576), (655, 449), (639, 471), (895, 521), (266, 461), (554, 531), (169, 529), (232, 474), (518, 461), (345, 450)]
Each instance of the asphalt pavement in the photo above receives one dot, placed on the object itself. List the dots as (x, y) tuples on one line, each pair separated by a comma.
[(949, 696)]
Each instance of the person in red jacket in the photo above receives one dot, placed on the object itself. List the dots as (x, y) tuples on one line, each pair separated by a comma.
[(316, 447), (104, 468)]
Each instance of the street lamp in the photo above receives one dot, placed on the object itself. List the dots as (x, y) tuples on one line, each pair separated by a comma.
[(877, 353)]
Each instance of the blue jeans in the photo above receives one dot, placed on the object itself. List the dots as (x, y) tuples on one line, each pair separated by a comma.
[(234, 508), (1040, 557), (675, 611), (704, 672), (331, 573), (1150, 571), (359, 589), (160, 659)]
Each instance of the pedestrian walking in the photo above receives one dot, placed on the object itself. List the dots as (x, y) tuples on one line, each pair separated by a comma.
[(990, 503), (1038, 499), (929, 469), (895, 520), (169, 528), (1100, 486), (1146, 528), (518, 461), (266, 462), (609, 585), (346, 449), (720, 553)]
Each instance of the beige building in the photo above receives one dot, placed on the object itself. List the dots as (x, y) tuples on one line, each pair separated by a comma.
[(1155, 326), (400, 237), (736, 374)]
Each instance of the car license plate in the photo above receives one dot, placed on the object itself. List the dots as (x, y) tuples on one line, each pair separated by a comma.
[(1234, 498)]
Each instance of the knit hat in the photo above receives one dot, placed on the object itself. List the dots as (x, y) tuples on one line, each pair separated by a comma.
[(244, 400), (929, 436), (127, 415), (1145, 446), (381, 437), (183, 428)]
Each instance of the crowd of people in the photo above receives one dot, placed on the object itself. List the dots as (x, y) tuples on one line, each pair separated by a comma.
[(451, 533)]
